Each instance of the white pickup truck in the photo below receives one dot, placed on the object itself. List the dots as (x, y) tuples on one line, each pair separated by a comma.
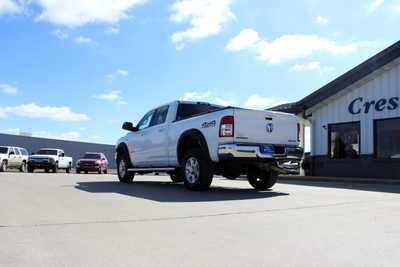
[(50, 159), (192, 141)]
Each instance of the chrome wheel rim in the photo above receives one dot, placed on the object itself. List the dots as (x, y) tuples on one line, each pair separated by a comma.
[(122, 168), (192, 170)]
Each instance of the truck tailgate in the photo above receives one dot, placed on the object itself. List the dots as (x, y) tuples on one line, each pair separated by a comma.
[(265, 127)]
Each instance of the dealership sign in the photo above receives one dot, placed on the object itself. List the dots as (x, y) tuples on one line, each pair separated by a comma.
[(361, 105)]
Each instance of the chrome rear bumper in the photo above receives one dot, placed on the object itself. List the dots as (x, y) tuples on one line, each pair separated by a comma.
[(228, 151)]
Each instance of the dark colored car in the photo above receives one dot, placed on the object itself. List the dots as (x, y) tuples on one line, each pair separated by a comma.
[(92, 162)]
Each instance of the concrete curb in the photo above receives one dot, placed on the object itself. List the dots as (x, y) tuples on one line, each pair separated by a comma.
[(339, 180)]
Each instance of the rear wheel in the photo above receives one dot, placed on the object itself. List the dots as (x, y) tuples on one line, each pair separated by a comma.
[(262, 180), (100, 171), (68, 170), (105, 171), (4, 166), (23, 167), (197, 170), (124, 175), (78, 171), (46, 170)]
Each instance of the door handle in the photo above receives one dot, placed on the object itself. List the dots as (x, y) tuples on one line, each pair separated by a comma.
[(161, 130)]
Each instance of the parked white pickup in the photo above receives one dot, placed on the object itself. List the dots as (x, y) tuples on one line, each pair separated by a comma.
[(50, 159), (192, 141)]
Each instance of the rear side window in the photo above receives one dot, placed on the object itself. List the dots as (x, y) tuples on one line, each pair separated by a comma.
[(24, 152), (160, 116), (17, 152), (186, 111)]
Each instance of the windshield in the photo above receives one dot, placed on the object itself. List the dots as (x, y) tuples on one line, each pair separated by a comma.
[(92, 156), (3, 150), (47, 152)]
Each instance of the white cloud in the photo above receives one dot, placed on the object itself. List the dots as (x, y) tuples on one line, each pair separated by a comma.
[(60, 34), (9, 7), (37, 112), (117, 73), (223, 102), (375, 4), (315, 65), (288, 47), (84, 40), (75, 13), (112, 96), (8, 89), (205, 17), (248, 38), (257, 102), (321, 20), (195, 96), (112, 30), (69, 136)]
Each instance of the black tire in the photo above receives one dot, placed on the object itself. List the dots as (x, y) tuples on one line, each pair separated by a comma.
[(86, 172), (197, 178), (105, 171), (176, 177), (100, 171), (78, 171), (262, 180), (23, 167), (4, 166), (31, 169), (68, 170), (123, 164), (55, 168), (46, 170)]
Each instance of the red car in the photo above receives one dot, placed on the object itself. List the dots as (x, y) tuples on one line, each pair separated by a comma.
[(92, 162)]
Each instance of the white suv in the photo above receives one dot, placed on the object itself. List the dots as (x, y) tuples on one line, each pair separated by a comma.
[(13, 157)]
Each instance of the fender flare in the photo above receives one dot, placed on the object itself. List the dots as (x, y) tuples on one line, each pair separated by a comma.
[(194, 135), (123, 148)]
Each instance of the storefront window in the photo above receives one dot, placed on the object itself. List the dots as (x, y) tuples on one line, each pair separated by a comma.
[(387, 138), (344, 140)]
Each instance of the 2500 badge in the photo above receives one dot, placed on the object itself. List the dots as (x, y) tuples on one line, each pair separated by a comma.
[(209, 124)]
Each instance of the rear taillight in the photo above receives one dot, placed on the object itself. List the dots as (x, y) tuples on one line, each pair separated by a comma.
[(227, 127), (298, 132)]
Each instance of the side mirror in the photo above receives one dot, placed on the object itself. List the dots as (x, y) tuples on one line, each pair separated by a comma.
[(62, 155), (11, 154), (128, 126), (33, 153)]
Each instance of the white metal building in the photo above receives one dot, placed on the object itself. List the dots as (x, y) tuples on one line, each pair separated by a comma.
[(355, 120)]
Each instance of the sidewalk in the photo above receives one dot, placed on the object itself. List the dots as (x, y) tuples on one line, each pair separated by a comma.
[(340, 179)]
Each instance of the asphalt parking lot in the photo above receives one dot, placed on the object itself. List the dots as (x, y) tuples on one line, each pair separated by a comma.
[(92, 220)]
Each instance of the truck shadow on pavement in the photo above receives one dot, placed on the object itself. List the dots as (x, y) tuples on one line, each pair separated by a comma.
[(170, 192), (383, 188)]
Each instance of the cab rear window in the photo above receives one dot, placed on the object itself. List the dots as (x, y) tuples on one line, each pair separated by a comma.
[(186, 111)]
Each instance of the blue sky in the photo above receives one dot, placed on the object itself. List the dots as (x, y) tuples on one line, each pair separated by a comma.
[(76, 69)]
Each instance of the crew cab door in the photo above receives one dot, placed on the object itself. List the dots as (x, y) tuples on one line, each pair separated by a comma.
[(149, 146)]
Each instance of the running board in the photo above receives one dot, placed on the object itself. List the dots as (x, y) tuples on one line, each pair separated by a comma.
[(151, 169)]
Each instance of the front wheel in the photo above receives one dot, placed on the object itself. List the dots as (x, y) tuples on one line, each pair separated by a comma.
[(55, 168), (262, 180), (124, 175), (4, 166), (197, 170), (31, 169)]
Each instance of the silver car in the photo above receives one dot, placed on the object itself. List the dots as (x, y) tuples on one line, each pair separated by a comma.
[(13, 157)]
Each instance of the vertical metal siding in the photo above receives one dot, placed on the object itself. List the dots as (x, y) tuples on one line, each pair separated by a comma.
[(385, 85)]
